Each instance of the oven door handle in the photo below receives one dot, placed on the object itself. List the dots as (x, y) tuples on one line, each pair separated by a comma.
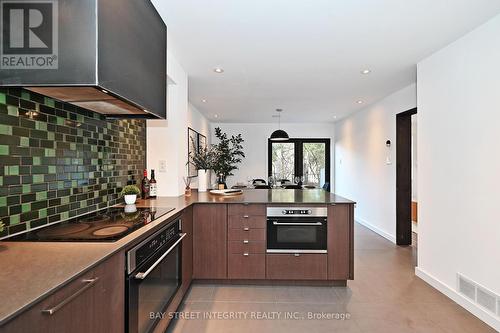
[(298, 223), (142, 276)]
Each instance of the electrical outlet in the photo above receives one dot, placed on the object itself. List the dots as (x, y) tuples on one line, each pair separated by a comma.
[(162, 166)]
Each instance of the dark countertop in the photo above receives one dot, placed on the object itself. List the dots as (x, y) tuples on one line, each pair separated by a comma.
[(30, 271)]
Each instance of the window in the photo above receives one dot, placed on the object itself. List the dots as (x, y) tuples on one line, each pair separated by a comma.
[(305, 158)]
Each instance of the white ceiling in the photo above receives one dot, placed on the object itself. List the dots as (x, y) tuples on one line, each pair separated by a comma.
[(305, 56)]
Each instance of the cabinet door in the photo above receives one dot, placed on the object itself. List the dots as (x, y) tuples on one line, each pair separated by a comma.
[(246, 266), (296, 266), (340, 242), (93, 302), (210, 241), (109, 296), (187, 248)]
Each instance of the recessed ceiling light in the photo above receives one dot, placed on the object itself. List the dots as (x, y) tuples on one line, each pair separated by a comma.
[(204, 100), (216, 116), (360, 102), (145, 110), (334, 117), (218, 70), (105, 91), (366, 71)]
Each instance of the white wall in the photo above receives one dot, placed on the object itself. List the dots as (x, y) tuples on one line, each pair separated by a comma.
[(200, 124), (167, 139), (361, 171), (459, 163), (255, 145)]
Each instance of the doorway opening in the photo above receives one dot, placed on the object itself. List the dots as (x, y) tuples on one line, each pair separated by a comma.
[(405, 176)]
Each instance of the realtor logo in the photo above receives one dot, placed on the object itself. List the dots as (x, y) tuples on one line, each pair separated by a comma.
[(29, 36)]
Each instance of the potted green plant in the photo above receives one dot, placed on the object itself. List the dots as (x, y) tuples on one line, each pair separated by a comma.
[(203, 162), (130, 193), (227, 154)]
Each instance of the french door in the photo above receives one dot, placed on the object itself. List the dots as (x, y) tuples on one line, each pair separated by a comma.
[(305, 158)]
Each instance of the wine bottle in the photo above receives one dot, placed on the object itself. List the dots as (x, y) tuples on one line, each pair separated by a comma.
[(145, 185), (221, 185), (152, 185)]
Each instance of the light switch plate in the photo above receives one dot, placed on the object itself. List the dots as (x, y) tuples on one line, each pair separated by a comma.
[(162, 166)]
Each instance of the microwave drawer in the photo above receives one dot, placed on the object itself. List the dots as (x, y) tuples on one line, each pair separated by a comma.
[(296, 266)]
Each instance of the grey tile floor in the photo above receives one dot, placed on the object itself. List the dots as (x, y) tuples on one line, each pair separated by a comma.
[(385, 296)]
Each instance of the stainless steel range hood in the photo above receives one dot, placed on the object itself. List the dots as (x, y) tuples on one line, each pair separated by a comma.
[(111, 58)]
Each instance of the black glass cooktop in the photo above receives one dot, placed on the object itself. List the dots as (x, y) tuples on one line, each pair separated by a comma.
[(107, 225)]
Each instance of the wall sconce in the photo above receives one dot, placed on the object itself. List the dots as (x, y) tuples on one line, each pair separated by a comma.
[(388, 159)]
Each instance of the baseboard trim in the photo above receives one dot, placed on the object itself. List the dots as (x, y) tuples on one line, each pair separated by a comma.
[(459, 299), (376, 230)]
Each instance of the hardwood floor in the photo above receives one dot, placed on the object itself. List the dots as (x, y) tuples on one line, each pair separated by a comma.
[(386, 296)]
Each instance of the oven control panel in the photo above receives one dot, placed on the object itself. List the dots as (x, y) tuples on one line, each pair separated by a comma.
[(296, 212), (290, 211)]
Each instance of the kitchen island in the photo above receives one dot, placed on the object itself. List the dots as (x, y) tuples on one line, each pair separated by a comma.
[(221, 233)]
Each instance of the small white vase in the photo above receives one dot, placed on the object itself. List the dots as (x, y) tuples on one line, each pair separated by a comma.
[(130, 199), (202, 180)]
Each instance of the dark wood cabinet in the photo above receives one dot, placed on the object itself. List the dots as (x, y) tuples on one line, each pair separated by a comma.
[(247, 210), (296, 266), (210, 241), (249, 234), (93, 302), (246, 246), (187, 248), (247, 221), (246, 241), (340, 242), (247, 266)]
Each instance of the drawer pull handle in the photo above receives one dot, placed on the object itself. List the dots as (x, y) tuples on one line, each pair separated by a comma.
[(88, 284), (245, 216), (245, 241), (245, 254), (246, 228)]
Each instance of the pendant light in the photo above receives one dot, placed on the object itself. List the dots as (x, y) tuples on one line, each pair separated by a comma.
[(279, 134)]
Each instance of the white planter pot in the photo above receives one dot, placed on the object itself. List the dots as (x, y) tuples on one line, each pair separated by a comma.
[(202, 180), (130, 199)]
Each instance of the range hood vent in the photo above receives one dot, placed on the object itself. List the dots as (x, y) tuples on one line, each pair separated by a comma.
[(111, 58)]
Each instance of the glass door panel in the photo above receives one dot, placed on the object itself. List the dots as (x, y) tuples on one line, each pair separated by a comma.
[(283, 160), (314, 163)]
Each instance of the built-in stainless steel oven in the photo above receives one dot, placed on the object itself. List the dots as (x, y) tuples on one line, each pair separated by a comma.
[(153, 277), (297, 230)]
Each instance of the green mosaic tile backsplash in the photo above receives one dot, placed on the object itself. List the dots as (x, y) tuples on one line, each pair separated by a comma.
[(58, 160)]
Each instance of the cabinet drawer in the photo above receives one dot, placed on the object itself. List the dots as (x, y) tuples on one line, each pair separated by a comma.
[(293, 267), (237, 222), (251, 266), (242, 209), (240, 247), (250, 234), (92, 302)]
